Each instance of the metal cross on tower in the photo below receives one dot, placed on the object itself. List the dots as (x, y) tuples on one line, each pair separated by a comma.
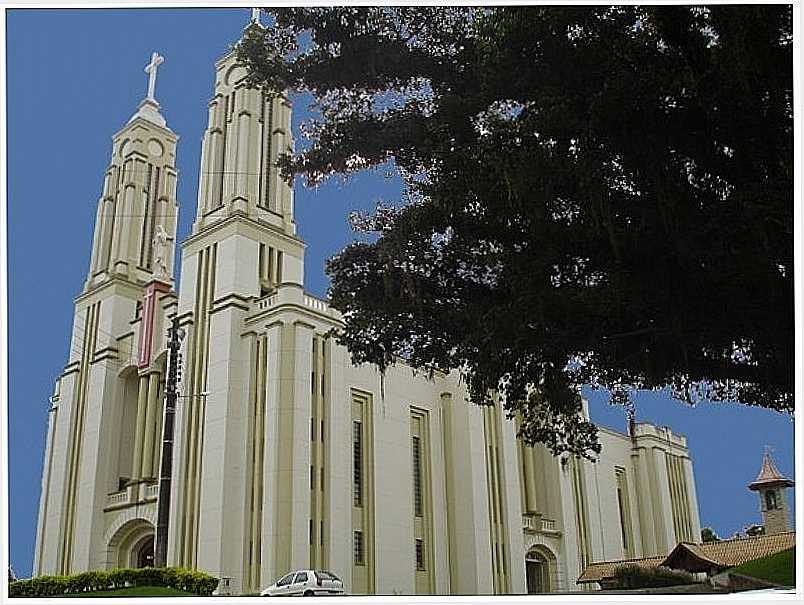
[(150, 69)]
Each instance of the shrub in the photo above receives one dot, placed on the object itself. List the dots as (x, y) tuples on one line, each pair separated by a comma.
[(634, 576), (188, 580)]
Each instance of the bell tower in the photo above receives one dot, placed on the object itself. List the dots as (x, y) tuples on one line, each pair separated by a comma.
[(132, 260), (770, 484), (243, 247)]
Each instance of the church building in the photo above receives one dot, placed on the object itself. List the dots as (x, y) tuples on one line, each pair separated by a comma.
[(286, 456)]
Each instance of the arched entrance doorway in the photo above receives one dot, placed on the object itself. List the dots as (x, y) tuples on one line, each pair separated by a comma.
[(539, 571), (145, 552), (132, 545)]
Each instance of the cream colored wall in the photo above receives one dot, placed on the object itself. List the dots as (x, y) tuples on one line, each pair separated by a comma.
[(605, 520)]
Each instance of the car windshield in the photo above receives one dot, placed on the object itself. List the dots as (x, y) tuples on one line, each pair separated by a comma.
[(285, 580)]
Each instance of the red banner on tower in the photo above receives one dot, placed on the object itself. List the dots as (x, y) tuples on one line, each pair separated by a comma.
[(147, 323)]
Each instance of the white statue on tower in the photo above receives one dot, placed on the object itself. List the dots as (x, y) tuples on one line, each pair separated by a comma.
[(160, 242)]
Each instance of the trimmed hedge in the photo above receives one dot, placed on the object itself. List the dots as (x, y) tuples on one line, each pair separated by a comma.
[(634, 576), (188, 580)]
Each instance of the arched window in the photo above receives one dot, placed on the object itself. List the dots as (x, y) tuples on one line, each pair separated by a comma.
[(539, 571), (770, 500)]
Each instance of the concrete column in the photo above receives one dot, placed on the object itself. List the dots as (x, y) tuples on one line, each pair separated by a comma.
[(465, 473), (290, 413), (53, 482), (96, 240), (139, 434), (269, 569), (512, 512), (695, 519), (150, 426), (124, 211), (647, 526), (300, 462), (530, 479), (663, 512), (339, 454), (222, 492)]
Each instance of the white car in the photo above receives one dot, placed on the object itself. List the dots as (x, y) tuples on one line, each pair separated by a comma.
[(305, 583)]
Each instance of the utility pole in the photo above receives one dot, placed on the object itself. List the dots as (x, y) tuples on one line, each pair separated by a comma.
[(175, 335)]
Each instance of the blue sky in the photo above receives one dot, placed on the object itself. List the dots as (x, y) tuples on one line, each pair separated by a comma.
[(74, 78)]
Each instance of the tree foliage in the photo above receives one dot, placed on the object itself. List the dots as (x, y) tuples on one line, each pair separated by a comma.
[(594, 195), (708, 535)]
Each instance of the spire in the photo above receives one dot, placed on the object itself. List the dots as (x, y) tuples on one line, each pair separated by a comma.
[(135, 223), (769, 475), (149, 108), (247, 132)]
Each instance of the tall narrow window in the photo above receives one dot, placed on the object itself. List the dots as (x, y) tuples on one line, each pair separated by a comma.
[(417, 476), (625, 512), (357, 463), (358, 548), (419, 548)]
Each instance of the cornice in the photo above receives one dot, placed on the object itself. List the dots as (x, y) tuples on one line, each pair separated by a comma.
[(113, 282), (234, 221)]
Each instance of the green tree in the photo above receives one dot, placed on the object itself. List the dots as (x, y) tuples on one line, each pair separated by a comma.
[(708, 535), (594, 195)]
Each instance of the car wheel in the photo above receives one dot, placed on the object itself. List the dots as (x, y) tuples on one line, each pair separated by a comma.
[(309, 593)]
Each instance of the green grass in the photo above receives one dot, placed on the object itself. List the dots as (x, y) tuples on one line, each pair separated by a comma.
[(778, 568), (135, 591)]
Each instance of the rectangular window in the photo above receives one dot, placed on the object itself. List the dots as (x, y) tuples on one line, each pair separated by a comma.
[(358, 548), (357, 463), (311, 530), (625, 512), (312, 477), (419, 546), (417, 476)]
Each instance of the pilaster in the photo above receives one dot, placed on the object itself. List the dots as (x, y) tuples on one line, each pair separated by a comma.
[(663, 514), (693, 497)]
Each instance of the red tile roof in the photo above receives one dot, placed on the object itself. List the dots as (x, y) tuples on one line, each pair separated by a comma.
[(604, 570), (728, 553), (698, 557)]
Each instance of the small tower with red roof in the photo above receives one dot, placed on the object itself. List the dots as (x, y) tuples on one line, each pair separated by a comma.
[(770, 484)]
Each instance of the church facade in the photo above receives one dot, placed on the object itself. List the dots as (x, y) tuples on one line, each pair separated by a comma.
[(287, 456)]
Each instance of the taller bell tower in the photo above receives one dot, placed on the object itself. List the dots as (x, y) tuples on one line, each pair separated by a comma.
[(243, 247)]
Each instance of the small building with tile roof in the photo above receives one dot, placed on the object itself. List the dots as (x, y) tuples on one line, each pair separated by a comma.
[(709, 558)]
